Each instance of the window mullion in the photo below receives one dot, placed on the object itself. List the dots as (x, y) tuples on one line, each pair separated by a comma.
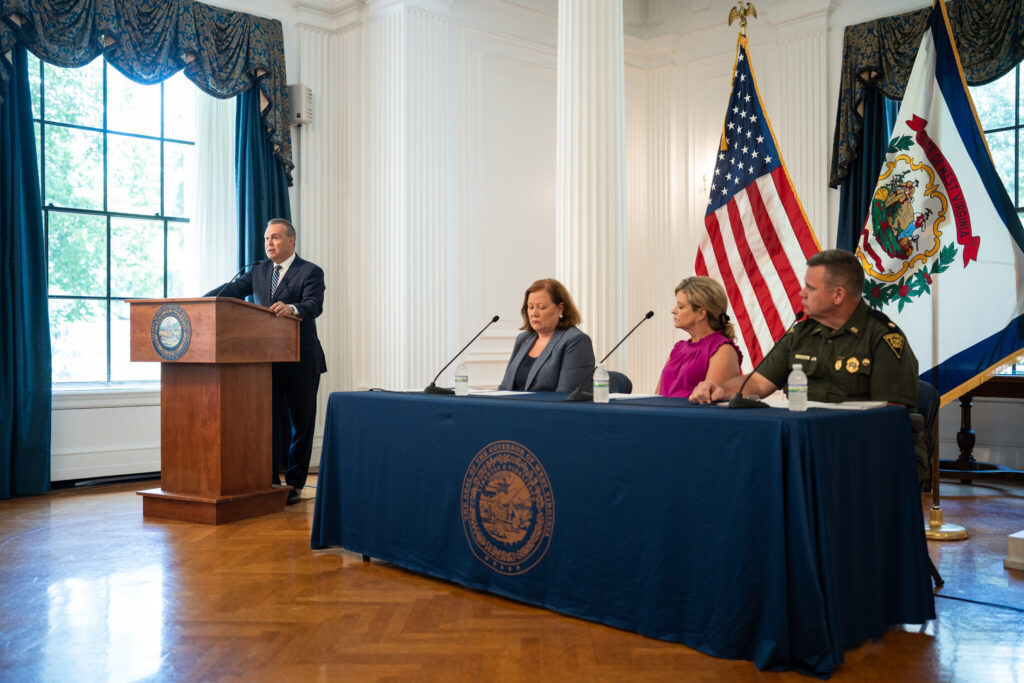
[(1018, 201), (106, 208), (163, 166)]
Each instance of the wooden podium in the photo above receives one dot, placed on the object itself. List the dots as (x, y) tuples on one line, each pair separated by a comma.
[(215, 405)]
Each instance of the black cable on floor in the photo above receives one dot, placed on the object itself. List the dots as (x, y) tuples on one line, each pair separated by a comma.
[(979, 602)]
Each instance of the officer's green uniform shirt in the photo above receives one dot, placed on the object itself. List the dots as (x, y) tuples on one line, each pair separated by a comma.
[(867, 359)]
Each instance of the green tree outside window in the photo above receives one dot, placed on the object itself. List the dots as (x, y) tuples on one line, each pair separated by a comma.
[(115, 165)]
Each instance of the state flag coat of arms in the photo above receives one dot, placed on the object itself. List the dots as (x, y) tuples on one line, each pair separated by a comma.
[(942, 246)]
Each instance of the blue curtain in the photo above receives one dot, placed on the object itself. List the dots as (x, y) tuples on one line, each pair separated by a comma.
[(879, 54), (25, 392), (261, 188), (261, 180), (223, 52), (857, 189)]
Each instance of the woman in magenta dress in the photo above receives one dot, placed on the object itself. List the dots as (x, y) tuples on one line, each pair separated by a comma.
[(710, 352)]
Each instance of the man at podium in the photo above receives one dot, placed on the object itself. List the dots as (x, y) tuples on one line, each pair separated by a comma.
[(287, 284)]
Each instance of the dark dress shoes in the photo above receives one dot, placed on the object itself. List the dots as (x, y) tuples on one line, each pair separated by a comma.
[(294, 496)]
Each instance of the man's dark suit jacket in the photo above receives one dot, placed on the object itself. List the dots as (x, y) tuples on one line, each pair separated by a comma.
[(302, 286), (295, 384)]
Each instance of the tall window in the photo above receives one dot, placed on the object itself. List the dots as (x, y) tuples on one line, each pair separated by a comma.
[(1000, 106), (116, 168)]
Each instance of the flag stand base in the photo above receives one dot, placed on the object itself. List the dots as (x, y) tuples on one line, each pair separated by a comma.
[(936, 530)]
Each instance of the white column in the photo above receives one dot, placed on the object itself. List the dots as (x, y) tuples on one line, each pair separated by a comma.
[(327, 213), (655, 265), (326, 205), (590, 228), (345, 196), (382, 246), (428, 302), (406, 309), (802, 123)]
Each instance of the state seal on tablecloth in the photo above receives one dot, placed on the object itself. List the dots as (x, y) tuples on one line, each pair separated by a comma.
[(508, 508)]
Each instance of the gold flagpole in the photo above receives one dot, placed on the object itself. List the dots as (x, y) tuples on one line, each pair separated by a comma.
[(936, 529)]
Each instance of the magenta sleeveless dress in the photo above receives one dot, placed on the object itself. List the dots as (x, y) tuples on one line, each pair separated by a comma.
[(687, 365)]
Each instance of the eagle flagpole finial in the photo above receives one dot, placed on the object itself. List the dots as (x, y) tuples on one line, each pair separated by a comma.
[(741, 11)]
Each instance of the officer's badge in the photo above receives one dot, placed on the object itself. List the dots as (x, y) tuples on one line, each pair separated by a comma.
[(895, 342), (852, 365)]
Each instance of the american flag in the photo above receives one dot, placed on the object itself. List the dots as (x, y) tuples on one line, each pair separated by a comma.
[(757, 237)]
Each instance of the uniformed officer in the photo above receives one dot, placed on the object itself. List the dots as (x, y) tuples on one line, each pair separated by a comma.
[(848, 351)]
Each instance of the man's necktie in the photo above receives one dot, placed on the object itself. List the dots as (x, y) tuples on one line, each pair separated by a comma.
[(274, 280)]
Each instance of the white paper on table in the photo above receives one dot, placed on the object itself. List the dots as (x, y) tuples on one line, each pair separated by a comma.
[(851, 405), (497, 392), (779, 400)]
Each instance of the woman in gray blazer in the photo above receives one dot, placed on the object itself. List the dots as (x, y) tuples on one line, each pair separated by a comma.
[(551, 354)]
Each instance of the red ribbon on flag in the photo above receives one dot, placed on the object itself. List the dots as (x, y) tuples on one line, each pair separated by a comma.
[(964, 237)]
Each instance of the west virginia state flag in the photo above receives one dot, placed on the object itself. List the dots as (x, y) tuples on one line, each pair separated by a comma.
[(943, 246)]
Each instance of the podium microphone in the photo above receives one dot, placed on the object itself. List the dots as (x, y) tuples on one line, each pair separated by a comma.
[(433, 388), (579, 394), (738, 400), (225, 285)]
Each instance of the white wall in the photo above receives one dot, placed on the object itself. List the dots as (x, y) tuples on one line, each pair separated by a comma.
[(431, 208)]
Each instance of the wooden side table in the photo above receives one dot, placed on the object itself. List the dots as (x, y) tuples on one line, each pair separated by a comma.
[(1000, 386)]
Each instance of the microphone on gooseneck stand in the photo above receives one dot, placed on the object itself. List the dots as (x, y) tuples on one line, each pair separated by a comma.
[(738, 400), (579, 394), (433, 388), (225, 285)]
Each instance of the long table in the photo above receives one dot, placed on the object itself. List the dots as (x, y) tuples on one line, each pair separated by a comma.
[(782, 538)]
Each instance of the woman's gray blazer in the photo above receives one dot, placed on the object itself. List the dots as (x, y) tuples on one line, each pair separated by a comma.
[(563, 364)]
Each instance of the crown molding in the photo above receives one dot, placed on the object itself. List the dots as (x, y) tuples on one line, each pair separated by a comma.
[(439, 7), (799, 16), (652, 53), (331, 16)]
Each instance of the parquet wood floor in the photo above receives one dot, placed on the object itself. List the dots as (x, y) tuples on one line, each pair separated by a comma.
[(89, 592)]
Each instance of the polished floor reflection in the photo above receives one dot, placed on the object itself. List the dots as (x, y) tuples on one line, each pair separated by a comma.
[(92, 592)]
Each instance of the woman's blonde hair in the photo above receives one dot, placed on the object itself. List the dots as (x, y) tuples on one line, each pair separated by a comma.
[(704, 292)]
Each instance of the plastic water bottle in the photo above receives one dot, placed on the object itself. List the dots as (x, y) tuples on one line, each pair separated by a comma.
[(797, 388), (461, 380), (600, 385)]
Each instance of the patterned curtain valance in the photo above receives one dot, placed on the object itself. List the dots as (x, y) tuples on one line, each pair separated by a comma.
[(223, 52), (989, 35)]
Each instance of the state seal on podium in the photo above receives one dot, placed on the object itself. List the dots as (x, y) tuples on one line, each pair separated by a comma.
[(170, 331)]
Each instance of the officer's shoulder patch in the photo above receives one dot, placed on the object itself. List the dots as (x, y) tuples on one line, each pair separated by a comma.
[(896, 341)]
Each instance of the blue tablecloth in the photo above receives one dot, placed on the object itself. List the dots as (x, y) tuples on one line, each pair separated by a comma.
[(777, 537)]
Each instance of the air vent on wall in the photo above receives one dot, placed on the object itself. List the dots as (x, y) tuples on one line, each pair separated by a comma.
[(301, 101)]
